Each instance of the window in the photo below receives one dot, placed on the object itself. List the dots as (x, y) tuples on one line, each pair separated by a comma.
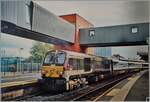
[(49, 59), (76, 64), (92, 33), (60, 58), (52, 58), (73, 63), (134, 30), (87, 64), (81, 64), (106, 64), (98, 64), (27, 14)]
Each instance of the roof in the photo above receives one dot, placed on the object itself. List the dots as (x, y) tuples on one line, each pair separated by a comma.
[(75, 14)]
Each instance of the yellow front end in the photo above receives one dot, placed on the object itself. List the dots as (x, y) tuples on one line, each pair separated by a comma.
[(52, 71)]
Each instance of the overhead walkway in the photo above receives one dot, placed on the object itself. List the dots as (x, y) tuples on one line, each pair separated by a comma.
[(120, 35), (42, 25), (28, 20)]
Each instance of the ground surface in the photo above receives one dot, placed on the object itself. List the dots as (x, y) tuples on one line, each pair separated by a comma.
[(140, 89), (23, 77)]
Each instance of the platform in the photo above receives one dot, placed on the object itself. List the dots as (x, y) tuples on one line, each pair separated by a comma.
[(20, 77), (18, 80), (134, 88)]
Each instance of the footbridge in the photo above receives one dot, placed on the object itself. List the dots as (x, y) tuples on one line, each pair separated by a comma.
[(29, 20), (120, 35)]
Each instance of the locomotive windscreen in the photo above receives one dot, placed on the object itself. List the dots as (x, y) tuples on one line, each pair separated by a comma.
[(53, 58)]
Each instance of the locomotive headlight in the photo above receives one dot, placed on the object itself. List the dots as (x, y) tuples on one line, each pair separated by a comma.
[(60, 72), (43, 71)]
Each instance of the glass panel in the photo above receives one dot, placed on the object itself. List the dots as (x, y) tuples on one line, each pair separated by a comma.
[(49, 59), (78, 64), (81, 64), (71, 62), (87, 64), (52, 58), (75, 64), (27, 14), (60, 59)]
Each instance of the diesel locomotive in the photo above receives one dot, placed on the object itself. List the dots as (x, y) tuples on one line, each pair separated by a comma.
[(66, 70)]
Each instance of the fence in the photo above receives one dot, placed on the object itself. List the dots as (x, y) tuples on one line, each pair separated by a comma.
[(17, 65)]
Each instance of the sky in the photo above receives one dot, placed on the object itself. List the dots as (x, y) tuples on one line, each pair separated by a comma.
[(99, 13), (105, 13), (11, 46)]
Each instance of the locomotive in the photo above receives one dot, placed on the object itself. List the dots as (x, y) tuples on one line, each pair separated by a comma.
[(66, 70)]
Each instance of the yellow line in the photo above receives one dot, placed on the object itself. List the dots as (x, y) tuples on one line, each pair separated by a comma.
[(107, 91), (10, 84)]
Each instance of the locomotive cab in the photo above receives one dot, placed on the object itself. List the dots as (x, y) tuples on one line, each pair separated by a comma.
[(53, 64), (52, 71)]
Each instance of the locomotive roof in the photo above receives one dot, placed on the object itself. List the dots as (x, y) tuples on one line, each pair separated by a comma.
[(126, 61), (77, 53)]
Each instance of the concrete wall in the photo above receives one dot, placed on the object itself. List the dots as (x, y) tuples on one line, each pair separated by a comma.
[(16, 12)]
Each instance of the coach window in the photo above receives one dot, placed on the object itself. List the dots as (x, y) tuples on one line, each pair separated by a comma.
[(75, 65), (97, 65), (107, 64), (71, 63), (87, 64), (78, 63), (100, 64), (81, 64)]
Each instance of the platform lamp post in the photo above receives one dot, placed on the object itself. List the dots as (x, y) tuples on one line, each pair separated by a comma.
[(20, 50), (148, 42)]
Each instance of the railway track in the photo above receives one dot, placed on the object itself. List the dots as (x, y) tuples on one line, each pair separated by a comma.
[(95, 90), (21, 90), (49, 96), (86, 93), (92, 94)]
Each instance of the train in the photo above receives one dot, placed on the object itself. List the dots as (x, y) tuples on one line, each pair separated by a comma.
[(67, 70)]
